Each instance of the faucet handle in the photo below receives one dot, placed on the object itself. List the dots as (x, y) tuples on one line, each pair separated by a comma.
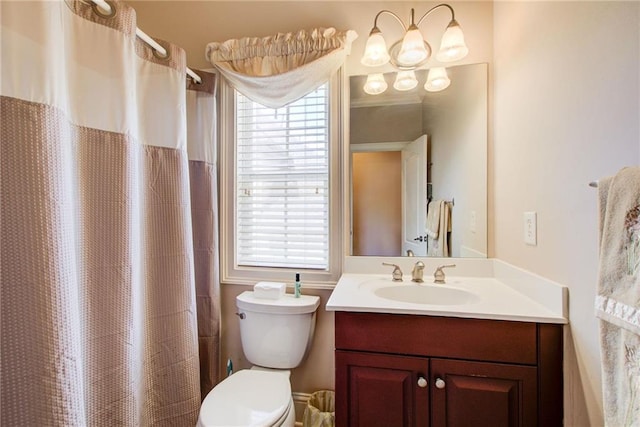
[(397, 273), (438, 275)]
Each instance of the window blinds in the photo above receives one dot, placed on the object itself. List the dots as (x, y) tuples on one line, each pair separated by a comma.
[(282, 182)]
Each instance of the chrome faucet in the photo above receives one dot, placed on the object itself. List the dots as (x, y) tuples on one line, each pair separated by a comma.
[(397, 273), (438, 275), (417, 272)]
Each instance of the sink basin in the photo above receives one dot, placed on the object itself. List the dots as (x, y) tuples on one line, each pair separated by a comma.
[(427, 294)]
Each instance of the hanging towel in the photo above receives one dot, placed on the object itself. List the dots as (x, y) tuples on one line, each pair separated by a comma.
[(438, 241), (433, 218), (618, 296)]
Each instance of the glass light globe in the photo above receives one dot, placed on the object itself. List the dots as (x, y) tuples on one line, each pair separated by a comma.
[(452, 46), (375, 51), (437, 80), (412, 51), (376, 84), (405, 80)]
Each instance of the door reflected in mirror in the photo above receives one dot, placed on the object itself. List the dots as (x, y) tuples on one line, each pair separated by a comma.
[(419, 168)]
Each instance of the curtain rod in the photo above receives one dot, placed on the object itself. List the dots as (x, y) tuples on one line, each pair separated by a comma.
[(148, 40), (593, 184)]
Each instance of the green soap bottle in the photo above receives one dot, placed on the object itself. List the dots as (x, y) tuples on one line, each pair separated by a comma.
[(298, 286)]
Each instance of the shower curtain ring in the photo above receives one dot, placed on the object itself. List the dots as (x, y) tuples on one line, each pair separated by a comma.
[(159, 55), (101, 13)]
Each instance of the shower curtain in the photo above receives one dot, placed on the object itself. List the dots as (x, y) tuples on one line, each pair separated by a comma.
[(107, 223), (201, 141)]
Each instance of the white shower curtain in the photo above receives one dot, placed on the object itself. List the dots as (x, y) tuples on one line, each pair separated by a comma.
[(98, 297)]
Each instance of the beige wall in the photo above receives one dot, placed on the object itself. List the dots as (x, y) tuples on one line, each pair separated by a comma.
[(385, 123), (563, 111), (566, 113)]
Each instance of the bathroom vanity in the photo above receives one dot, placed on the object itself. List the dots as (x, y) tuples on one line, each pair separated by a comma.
[(494, 360), (407, 370)]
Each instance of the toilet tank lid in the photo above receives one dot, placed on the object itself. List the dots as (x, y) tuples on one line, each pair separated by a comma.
[(287, 304)]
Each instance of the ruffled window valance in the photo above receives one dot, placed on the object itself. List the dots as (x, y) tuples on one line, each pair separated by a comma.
[(280, 69)]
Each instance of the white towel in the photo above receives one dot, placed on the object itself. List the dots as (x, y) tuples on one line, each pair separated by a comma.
[(269, 290), (438, 242), (433, 218), (618, 297)]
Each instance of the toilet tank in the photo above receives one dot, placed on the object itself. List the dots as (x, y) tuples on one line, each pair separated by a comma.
[(276, 333)]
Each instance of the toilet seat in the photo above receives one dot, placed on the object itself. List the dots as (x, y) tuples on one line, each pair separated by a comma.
[(250, 397)]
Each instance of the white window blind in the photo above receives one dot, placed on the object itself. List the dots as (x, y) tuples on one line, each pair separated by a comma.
[(282, 182)]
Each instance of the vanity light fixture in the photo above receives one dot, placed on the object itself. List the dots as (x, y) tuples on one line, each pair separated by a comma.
[(412, 52)]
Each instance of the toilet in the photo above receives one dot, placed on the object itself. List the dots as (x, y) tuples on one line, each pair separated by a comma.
[(276, 335)]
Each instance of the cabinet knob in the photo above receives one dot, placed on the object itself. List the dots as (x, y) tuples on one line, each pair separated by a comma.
[(440, 383), (422, 382)]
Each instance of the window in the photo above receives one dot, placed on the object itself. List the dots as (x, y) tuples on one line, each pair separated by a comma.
[(280, 188), (282, 178)]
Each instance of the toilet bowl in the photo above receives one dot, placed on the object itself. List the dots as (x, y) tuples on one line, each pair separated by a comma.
[(276, 336), (250, 397)]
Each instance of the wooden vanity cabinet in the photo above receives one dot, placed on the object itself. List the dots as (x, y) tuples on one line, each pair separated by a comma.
[(382, 389), (404, 370)]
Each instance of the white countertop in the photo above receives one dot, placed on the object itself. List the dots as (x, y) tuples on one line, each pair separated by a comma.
[(496, 300)]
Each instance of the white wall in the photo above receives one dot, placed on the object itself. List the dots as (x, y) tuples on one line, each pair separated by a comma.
[(566, 112)]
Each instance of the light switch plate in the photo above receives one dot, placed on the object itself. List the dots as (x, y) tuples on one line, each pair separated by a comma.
[(530, 228)]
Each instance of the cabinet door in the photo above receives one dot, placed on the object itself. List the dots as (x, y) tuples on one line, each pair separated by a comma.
[(479, 394), (381, 390)]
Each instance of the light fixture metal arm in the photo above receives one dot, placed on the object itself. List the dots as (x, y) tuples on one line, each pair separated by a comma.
[(428, 12), (375, 20)]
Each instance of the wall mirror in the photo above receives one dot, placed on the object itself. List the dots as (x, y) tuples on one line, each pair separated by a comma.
[(413, 152)]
